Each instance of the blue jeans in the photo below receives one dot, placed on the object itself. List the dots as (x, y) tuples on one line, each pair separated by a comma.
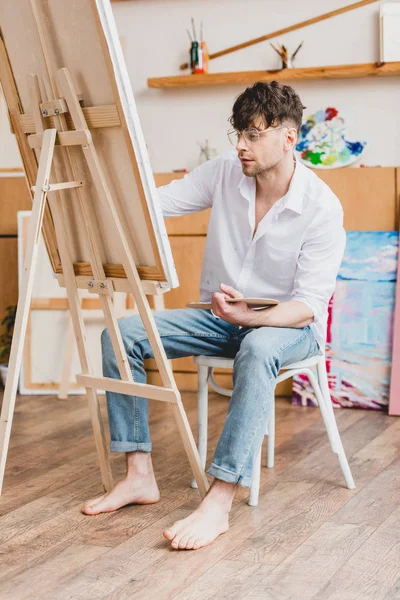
[(259, 354)]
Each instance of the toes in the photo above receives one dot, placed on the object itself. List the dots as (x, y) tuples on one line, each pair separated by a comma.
[(170, 533), (190, 543), (183, 542), (89, 506), (90, 510), (175, 542), (173, 531), (87, 509)]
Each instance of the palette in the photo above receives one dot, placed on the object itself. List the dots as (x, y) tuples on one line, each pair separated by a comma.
[(323, 142), (255, 303)]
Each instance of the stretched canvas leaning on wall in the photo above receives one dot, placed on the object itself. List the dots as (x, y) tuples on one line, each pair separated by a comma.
[(360, 325)]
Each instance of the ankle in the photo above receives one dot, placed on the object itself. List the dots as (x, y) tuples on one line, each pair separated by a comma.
[(139, 464), (220, 496)]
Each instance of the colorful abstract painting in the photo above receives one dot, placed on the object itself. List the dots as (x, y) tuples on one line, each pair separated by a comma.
[(360, 325), (323, 141)]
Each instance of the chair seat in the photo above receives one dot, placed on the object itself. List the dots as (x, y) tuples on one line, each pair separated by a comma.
[(219, 362)]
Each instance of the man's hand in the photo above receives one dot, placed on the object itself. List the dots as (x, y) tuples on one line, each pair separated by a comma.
[(292, 313), (237, 313)]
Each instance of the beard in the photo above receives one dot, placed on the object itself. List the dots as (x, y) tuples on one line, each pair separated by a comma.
[(263, 163), (253, 169)]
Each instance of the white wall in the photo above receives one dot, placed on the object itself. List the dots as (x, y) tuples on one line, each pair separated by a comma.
[(175, 120)]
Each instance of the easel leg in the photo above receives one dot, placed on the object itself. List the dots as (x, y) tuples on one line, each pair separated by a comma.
[(25, 295), (184, 427)]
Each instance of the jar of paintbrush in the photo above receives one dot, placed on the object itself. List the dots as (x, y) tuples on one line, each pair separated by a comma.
[(198, 51)]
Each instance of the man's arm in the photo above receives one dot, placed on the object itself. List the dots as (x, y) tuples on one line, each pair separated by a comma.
[(191, 194), (315, 281), (286, 314)]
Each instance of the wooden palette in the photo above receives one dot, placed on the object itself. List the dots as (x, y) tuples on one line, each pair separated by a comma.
[(252, 302)]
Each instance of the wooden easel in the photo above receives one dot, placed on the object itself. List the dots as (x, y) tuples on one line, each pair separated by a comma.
[(48, 184)]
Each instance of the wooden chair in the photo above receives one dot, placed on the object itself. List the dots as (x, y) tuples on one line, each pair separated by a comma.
[(314, 368)]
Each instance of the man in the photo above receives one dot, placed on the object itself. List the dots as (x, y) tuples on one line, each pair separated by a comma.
[(275, 230)]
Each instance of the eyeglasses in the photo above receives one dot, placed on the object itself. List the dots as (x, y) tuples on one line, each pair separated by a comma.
[(251, 134)]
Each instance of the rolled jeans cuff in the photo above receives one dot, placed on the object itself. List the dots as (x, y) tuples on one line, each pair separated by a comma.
[(130, 446), (228, 476)]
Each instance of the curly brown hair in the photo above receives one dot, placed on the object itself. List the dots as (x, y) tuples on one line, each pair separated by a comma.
[(273, 102)]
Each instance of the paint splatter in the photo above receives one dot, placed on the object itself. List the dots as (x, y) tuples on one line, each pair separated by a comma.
[(323, 141), (331, 113)]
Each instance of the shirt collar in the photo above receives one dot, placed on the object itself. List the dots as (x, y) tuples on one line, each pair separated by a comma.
[(247, 187), (294, 197)]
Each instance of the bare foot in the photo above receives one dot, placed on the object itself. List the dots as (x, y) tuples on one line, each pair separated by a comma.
[(200, 528), (141, 489)]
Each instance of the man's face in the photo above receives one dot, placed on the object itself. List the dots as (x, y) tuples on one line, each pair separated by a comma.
[(268, 150)]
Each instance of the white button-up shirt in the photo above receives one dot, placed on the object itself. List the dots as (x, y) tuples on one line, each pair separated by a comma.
[(296, 251)]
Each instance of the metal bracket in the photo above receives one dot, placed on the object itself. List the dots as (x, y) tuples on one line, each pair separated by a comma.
[(53, 108), (98, 286)]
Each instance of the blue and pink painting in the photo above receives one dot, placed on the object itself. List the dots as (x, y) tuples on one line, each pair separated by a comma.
[(323, 141), (360, 324)]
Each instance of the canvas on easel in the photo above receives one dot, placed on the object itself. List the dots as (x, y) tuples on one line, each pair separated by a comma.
[(94, 198)]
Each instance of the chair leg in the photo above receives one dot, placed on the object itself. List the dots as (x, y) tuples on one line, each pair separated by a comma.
[(321, 390), (202, 411), (323, 408), (255, 480), (344, 465), (271, 439)]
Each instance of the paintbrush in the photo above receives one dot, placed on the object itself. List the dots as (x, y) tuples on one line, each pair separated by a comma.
[(194, 30), (297, 49)]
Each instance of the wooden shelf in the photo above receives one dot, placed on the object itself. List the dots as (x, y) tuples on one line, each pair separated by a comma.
[(308, 73)]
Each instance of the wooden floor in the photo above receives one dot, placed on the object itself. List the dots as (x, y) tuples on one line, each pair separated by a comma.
[(309, 538)]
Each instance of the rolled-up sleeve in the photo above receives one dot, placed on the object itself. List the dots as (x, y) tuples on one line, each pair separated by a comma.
[(191, 194), (319, 262)]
